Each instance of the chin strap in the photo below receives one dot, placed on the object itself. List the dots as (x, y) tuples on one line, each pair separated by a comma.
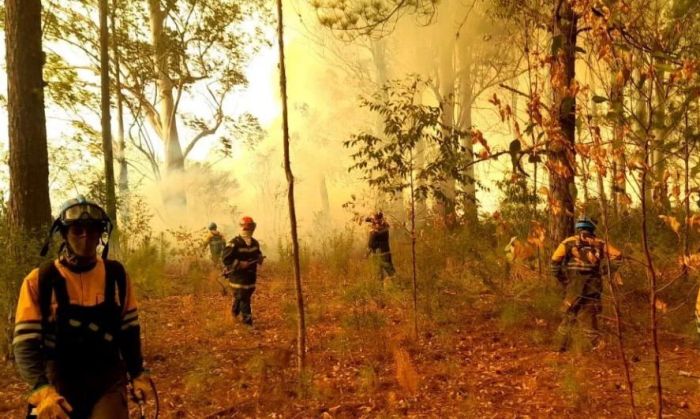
[(55, 227)]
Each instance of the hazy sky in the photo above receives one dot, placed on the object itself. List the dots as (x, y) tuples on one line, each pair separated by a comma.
[(324, 112)]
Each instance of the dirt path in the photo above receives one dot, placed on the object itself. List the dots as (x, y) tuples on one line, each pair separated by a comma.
[(205, 365)]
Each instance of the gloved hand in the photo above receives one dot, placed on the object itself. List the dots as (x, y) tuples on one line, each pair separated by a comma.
[(49, 404), (142, 389)]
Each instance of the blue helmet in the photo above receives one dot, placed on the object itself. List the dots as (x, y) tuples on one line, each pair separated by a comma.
[(585, 223), (79, 209)]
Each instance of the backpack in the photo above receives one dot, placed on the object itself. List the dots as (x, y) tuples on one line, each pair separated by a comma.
[(587, 253), (216, 244)]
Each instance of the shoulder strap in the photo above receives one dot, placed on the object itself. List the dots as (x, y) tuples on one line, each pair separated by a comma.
[(115, 274), (48, 277)]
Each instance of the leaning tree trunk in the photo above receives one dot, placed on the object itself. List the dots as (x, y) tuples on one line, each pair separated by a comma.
[(30, 207), (110, 197), (301, 325), (562, 154)]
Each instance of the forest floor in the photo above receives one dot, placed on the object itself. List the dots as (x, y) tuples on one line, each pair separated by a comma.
[(363, 362)]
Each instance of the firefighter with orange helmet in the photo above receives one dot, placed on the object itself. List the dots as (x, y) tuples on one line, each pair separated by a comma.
[(241, 257)]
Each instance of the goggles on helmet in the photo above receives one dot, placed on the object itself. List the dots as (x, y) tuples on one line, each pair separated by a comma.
[(83, 212)]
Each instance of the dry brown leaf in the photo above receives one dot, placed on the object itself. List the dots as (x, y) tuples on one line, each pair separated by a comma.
[(672, 222), (660, 305), (406, 373)]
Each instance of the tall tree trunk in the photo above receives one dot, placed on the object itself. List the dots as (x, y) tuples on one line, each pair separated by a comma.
[(414, 267), (30, 207), (174, 159), (659, 155), (301, 325), (325, 202), (445, 205), (651, 275), (562, 154), (111, 203), (123, 178), (466, 85), (618, 186), (167, 126), (686, 196)]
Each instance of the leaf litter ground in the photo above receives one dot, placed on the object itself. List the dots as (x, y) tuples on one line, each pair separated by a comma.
[(364, 363)]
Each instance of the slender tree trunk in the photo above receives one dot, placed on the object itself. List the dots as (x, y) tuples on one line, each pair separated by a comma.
[(106, 116), (686, 197), (616, 302), (414, 268), (618, 181), (325, 202), (123, 178), (651, 274), (301, 325), (658, 154), (30, 207), (562, 154)]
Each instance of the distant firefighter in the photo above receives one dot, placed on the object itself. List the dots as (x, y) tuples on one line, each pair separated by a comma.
[(216, 242), (378, 246), (241, 257), (577, 264)]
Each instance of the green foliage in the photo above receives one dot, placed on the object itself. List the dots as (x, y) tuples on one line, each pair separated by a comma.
[(20, 256), (518, 204), (389, 164)]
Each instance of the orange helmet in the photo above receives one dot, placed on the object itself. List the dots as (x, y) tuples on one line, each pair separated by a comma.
[(247, 223)]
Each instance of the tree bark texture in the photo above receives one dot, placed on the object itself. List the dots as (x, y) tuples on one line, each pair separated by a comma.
[(106, 117), (562, 155), (123, 177), (30, 206)]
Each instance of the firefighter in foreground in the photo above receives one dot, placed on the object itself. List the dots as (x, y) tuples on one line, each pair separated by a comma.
[(378, 246), (216, 242), (577, 263), (77, 338), (241, 257)]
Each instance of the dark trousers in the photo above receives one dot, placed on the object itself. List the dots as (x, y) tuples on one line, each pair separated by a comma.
[(583, 293), (241, 304), (384, 267), (93, 396)]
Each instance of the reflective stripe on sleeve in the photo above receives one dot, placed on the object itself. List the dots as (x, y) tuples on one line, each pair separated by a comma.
[(132, 323), (26, 336), (241, 286)]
